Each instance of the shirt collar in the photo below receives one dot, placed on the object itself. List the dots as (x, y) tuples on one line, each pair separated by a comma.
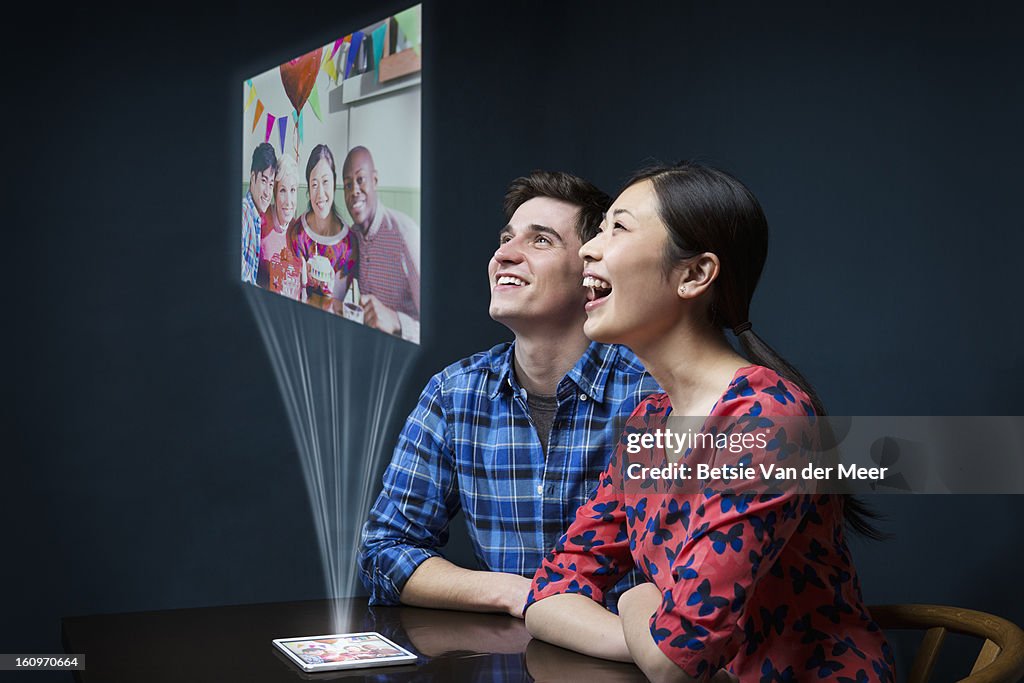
[(590, 374), (378, 217)]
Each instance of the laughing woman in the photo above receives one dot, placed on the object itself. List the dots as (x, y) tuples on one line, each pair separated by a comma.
[(319, 237), (748, 587)]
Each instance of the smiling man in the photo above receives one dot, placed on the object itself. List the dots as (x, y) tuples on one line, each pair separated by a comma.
[(254, 207), (389, 253), (515, 437)]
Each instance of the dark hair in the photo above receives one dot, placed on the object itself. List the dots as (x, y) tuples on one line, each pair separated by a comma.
[(565, 187), (322, 152), (707, 210), (263, 157)]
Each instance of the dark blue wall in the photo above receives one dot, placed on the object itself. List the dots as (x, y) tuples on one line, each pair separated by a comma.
[(151, 464)]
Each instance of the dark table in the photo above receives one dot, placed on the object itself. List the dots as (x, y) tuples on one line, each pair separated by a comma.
[(233, 644)]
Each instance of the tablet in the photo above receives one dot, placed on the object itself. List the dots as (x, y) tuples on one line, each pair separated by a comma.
[(343, 651)]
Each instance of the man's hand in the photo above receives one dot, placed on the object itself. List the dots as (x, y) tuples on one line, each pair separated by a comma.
[(513, 589), (376, 314), (439, 584)]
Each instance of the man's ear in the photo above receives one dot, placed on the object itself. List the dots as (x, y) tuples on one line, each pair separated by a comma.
[(375, 178), (696, 275)]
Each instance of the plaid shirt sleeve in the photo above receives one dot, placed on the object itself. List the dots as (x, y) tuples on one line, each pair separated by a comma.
[(420, 496), (250, 240)]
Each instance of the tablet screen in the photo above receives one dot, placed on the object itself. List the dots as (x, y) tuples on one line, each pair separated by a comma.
[(345, 649)]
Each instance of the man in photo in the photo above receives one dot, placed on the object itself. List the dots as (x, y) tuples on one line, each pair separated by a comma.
[(515, 437), (254, 208), (389, 253)]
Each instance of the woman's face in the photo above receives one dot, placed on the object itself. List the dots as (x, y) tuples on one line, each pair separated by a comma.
[(285, 198), (321, 189), (630, 300)]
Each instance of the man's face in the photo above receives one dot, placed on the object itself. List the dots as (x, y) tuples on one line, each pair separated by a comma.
[(360, 181), (261, 184), (536, 272)]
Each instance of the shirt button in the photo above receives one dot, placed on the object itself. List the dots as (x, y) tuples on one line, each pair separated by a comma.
[(583, 397), (540, 489)]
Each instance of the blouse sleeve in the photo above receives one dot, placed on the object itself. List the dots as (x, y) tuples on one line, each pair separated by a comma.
[(732, 541), (594, 553)]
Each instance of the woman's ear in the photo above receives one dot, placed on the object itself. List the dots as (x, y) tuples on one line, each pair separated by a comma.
[(697, 274)]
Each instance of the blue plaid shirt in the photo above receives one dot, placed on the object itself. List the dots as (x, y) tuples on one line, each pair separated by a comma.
[(470, 444), (252, 222)]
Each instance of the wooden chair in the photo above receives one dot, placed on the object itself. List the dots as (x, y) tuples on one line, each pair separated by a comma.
[(1001, 659)]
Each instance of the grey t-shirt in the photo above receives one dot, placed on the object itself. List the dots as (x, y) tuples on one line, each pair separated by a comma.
[(542, 412)]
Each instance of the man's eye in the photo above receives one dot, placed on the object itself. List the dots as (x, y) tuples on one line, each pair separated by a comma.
[(541, 239), (504, 239)]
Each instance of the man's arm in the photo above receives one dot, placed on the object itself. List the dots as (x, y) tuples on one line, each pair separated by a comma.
[(398, 559), (440, 584), (410, 518)]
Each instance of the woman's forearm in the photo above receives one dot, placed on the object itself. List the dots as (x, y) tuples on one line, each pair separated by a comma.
[(578, 623), (635, 609)]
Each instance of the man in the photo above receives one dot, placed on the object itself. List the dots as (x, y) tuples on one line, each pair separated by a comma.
[(389, 253), (254, 206), (516, 436)]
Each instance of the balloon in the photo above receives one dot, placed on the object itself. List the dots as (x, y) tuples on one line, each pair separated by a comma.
[(299, 77)]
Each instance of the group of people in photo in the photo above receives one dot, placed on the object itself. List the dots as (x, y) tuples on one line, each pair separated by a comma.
[(328, 651), (367, 271), (621, 308)]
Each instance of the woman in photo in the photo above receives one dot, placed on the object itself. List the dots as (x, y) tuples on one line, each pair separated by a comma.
[(319, 237), (754, 586), (280, 269)]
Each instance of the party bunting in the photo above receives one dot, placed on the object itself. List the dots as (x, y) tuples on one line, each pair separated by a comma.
[(337, 44), (270, 126), (314, 102), (282, 128), (409, 24), (259, 112), (248, 101), (331, 70), (378, 47), (353, 51), (249, 82)]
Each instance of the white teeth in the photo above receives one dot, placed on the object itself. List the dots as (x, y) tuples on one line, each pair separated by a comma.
[(593, 282), (509, 280)]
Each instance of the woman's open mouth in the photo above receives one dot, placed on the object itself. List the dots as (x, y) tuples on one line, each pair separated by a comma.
[(597, 291)]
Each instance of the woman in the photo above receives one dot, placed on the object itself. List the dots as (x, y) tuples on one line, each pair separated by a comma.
[(750, 587), (320, 237), (280, 269)]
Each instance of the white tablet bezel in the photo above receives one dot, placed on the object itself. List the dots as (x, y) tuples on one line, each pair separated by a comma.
[(405, 657)]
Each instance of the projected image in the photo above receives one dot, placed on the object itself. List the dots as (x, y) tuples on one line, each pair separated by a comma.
[(331, 177), (344, 648)]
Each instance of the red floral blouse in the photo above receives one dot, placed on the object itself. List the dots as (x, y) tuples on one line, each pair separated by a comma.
[(761, 584)]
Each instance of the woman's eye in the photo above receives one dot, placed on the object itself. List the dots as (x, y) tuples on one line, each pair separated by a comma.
[(618, 226)]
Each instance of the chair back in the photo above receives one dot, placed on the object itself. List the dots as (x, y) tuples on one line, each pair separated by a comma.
[(1000, 660)]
